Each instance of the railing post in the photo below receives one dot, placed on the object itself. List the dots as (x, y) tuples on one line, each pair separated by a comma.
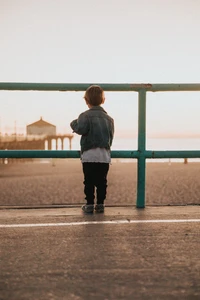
[(141, 166)]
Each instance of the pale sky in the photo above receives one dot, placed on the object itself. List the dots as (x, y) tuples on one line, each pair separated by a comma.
[(107, 41)]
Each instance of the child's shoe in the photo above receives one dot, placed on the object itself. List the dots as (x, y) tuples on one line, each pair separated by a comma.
[(88, 208), (99, 208)]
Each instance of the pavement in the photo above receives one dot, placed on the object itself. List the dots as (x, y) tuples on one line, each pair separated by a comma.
[(125, 253)]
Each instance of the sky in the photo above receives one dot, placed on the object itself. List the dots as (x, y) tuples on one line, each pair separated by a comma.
[(107, 41)]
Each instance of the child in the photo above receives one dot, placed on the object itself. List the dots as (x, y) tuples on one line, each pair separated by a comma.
[(96, 128)]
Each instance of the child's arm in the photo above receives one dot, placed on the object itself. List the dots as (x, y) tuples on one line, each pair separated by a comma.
[(80, 125), (112, 130)]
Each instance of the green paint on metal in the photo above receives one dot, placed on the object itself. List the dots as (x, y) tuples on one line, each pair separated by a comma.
[(141, 170), (173, 154), (118, 87), (141, 175), (114, 154), (60, 154)]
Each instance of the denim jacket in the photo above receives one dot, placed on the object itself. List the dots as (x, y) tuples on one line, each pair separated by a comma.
[(96, 128)]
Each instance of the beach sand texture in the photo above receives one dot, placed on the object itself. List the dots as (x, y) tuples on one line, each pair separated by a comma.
[(60, 181)]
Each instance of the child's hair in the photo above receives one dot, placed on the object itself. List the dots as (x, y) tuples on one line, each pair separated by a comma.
[(94, 95)]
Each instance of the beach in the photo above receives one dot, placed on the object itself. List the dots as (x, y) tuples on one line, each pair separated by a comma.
[(60, 182)]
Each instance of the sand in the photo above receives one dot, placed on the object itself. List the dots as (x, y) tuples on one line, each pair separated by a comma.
[(60, 181)]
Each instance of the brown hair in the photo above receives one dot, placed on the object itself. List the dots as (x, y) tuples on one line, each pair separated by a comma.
[(94, 95)]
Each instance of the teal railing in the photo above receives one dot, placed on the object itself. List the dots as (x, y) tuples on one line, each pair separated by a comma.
[(141, 154)]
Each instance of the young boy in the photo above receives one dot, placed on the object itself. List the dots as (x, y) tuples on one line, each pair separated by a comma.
[(96, 128)]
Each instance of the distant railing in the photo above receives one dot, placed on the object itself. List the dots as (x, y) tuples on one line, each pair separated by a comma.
[(141, 154), (20, 138)]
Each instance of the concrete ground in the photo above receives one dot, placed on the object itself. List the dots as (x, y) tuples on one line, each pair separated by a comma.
[(125, 253)]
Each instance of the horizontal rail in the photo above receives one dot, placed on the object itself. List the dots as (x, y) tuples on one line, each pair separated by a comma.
[(114, 154), (60, 154), (118, 87), (172, 154)]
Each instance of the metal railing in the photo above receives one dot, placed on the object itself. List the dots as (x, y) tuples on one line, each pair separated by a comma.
[(141, 154)]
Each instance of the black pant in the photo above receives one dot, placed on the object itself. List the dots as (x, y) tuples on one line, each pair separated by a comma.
[(95, 175)]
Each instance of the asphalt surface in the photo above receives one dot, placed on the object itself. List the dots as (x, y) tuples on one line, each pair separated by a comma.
[(125, 253)]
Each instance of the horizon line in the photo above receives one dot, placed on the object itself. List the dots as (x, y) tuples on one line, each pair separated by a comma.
[(122, 136)]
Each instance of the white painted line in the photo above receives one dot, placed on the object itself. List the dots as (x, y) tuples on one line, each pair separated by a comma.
[(98, 222)]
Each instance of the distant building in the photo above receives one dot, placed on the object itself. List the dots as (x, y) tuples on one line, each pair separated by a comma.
[(41, 127)]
